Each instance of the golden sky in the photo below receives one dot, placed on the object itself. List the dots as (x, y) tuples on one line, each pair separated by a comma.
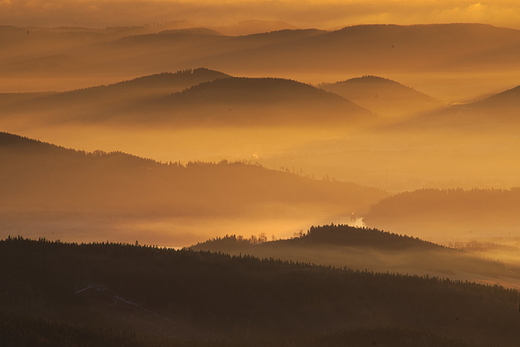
[(323, 14)]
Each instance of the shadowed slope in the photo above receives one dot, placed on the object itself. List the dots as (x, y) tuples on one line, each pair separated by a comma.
[(509, 99), (383, 96), (259, 101), (213, 99), (242, 299), (498, 112), (42, 178), (95, 99)]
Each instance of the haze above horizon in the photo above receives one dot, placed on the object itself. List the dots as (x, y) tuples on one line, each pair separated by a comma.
[(328, 14)]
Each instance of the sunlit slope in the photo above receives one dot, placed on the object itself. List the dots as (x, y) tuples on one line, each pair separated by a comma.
[(383, 96), (38, 177), (198, 295), (456, 213), (372, 249)]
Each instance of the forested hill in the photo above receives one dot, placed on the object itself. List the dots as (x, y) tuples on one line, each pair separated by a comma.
[(344, 235), (37, 175), (197, 295), (331, 235), (175, 81), (372, 249)]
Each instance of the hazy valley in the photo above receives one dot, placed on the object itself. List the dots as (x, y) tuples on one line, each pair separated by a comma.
[(259, 183)]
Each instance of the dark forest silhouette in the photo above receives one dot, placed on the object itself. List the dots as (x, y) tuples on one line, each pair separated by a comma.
[(240, 298)]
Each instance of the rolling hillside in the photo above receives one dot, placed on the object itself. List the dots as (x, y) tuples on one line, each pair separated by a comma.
[(497, 113), (373, 250), (376, 49), (383, 96), (209, 98), (100, 98), (383, 49), (259, 101), (41, 182)]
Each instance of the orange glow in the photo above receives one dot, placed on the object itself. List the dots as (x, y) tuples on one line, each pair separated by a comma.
[(310, 13)]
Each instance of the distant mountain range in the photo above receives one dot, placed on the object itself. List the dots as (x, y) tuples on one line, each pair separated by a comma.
[(202, 97), (378, 49), (209, 98)]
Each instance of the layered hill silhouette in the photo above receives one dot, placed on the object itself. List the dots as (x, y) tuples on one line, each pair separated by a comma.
[(175, 36), (198, 298), (379, 49), (383, 96), (496, 112), (383, 48), (209, 98), (122, 94), (259, 101), (372, 249), (42, 178)]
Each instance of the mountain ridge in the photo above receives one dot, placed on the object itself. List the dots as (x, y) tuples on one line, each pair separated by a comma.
[(64, 182), (383, 96), (369, 249)]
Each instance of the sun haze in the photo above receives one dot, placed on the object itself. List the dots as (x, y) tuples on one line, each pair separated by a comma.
[(308, 13), (259, 173)]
